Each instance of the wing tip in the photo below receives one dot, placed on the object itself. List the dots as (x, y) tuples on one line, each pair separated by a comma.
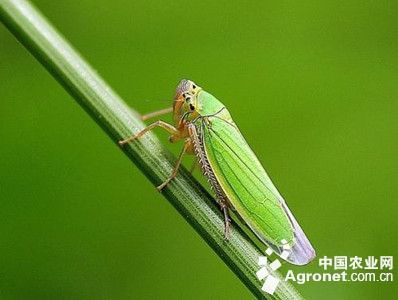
[(301, 254)]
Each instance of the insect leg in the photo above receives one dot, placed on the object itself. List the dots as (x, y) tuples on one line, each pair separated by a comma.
[(227, 221), (169, 128), (187, 144), (156, 113)]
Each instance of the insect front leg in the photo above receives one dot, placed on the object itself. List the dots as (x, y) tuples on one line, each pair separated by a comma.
[(187, 145), (156, 113), (169, 128)]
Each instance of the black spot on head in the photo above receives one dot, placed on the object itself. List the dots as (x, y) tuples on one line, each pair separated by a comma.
[(193, 86), (191, 107)]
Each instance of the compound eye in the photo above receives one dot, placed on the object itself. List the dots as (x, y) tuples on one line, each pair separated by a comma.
[(187, 99)]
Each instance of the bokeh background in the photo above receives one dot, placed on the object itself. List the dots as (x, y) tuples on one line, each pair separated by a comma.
[(313, 86)]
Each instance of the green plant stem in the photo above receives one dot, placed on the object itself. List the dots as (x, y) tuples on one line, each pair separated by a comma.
[(118, 121)]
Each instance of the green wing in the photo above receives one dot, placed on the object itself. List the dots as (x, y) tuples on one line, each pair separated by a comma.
[(244, 181), (249, 189)]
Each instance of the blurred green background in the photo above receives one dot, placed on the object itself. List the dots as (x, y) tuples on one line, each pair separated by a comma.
[(313, 86)]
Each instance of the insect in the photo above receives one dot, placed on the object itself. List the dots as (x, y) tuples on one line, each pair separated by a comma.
[(236, 176)]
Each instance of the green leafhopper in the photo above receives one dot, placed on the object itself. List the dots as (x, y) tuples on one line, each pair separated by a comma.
[(237, 178)]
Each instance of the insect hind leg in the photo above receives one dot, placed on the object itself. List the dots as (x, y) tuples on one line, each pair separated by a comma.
[(187, 144), (227, 221)]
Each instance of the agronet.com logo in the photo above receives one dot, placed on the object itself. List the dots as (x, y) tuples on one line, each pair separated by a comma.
[(348, 269), (333, 269)]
